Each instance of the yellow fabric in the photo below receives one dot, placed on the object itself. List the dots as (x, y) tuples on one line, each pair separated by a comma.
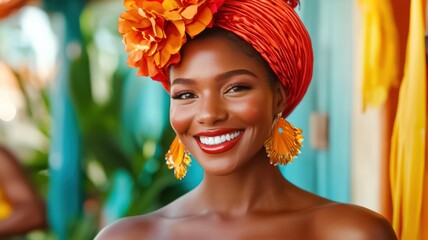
[(5, 208), (408, 139), (380, 51)]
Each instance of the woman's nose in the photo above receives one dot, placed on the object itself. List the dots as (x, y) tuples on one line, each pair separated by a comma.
[(211, 110)]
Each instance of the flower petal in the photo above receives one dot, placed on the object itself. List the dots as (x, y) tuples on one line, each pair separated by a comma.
[(170, 5), (200, 23), (190, 12)]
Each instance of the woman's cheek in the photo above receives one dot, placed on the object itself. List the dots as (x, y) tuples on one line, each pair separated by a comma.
[(180, 118), (253, 110)]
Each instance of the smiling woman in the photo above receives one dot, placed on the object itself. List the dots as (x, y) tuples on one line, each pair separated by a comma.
[(232, 75), (225, 93)]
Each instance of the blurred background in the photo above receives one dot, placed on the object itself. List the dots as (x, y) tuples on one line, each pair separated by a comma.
[(92, 136)]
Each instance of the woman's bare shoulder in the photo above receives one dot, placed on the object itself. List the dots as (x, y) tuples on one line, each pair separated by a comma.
[(347, 221), (143, 226), (138, 227)]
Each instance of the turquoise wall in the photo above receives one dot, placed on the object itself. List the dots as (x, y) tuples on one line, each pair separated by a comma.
[(327, 172)]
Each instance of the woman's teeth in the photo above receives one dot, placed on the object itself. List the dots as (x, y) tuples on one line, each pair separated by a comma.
[(219, 139)]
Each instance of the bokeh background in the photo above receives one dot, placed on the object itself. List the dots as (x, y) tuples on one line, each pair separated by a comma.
[(92, 135)]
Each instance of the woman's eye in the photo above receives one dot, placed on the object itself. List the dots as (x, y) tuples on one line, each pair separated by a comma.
[(237, 88), (184, 96)]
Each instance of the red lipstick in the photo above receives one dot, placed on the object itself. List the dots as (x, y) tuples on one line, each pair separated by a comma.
[(220, 147)]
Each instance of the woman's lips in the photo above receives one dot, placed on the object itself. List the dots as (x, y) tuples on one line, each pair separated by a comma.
[(219, 141)]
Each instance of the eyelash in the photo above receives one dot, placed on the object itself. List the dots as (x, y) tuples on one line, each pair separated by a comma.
[(240, 86), (180, 95)]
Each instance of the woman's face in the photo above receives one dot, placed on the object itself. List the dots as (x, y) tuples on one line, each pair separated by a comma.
[(222, 104)]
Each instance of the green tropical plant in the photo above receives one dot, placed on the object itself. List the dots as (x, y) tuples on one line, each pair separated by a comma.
[(105, 146), (110, 154)]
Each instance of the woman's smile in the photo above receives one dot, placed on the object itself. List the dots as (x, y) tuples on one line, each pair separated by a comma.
[(218, 141), (222, 105)]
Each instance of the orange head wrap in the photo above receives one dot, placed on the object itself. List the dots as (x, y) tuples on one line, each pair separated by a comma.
[(155, 30)]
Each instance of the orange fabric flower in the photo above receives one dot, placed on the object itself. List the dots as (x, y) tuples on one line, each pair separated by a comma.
[(154, 30)]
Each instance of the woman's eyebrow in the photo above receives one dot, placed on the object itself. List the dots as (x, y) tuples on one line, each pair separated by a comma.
[(185, 81), (233, 73), (222, 76)]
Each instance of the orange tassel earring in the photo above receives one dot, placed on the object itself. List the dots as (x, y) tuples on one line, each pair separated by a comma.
[(284, 143), (178, 158)]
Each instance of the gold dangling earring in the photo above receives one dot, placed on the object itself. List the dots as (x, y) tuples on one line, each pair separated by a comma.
[(284, 142), (178, 158)]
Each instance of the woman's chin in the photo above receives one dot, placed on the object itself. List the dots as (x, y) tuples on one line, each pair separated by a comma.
[(219, 168)]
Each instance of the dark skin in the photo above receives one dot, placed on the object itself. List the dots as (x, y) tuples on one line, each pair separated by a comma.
[(28, 209), (242, 196)]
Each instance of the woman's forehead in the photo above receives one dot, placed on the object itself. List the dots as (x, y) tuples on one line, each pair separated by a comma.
[(211, 56)]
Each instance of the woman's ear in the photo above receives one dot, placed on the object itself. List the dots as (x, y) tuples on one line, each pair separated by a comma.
[(280, 98)]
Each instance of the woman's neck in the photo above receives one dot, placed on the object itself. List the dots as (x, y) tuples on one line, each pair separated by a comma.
[(256, 187)]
